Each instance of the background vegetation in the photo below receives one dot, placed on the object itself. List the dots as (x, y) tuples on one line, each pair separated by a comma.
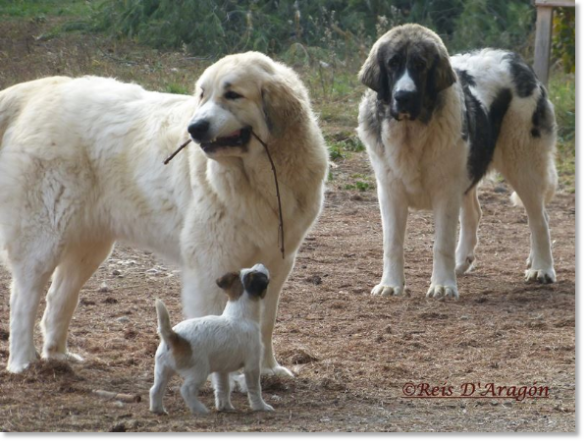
[(165, 44)]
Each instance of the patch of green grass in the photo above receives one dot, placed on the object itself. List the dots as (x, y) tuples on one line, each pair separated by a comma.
[(359, 185), (336, 152), (176, 88), (40, 9), (562, 93)]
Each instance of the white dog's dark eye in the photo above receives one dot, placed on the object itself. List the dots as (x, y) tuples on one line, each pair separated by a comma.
[(201, 95), (231, 95)]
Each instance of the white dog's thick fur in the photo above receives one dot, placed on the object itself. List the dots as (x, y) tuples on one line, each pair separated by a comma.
[(81, 166), (215, 344), (433, 126)]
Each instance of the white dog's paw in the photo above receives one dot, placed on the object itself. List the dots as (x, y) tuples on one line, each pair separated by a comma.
[(463, 266), (63, 356), (159, 411), (279, 371), (443, 291), (263, 407), (21, 363), (387, 290), (540, 275)]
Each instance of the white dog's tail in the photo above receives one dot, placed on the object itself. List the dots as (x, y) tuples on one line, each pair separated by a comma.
[(167, 334)]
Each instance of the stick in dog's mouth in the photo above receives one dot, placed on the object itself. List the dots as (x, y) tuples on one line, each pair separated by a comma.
[(237, 138), (240, 137)]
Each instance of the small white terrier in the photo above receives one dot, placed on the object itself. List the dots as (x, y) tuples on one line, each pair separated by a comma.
[(215, 344)]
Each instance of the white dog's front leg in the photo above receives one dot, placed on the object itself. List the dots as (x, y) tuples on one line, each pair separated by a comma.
[(279, 275), (443, 279), (200, 296), (394, 210)]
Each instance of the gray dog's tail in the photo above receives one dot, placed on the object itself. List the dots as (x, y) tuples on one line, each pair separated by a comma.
[(166, 333)]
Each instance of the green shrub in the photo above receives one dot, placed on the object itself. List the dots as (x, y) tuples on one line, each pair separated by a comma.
[(211, 28)]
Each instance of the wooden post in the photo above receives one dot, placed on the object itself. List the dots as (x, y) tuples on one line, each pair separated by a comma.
[(543, 43), (543, 29)]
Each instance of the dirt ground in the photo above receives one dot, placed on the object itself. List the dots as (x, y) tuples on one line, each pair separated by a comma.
[(352, 353)]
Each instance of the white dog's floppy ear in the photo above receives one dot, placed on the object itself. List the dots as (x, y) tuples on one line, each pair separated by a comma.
[(373, 74), (444, 75), (256, 283), (231, 285), (281, 106)]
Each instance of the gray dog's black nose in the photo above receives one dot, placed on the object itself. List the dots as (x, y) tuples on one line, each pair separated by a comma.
[(199, 129), (403, 97)]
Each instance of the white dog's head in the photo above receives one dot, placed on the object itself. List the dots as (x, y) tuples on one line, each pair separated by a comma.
[(242, 93)]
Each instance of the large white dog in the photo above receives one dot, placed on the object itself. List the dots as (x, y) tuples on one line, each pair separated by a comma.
[(81, 166)]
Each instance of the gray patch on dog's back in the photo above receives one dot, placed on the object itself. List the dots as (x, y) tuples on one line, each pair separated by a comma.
[(542, 119), (523, 75)]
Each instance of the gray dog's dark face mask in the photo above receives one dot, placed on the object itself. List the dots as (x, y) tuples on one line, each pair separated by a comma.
[(408, 75)]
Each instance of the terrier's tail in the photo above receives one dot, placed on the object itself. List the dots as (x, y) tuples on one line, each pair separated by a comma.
[(166, 333)]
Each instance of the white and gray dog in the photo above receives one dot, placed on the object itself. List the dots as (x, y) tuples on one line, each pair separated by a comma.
[(196, 348), (434, 126)]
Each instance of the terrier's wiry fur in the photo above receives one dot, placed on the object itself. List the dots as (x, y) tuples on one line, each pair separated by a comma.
[(215, 344)]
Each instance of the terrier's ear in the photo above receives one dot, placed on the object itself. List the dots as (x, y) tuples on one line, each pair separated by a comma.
[(231, 285), (256, 284)]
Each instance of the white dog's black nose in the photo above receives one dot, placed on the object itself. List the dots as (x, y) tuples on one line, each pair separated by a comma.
[(199, 129)]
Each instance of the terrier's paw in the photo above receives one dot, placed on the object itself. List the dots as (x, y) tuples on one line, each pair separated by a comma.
[(543, 276), (384, 290), (443, 291), (225, 408), (159, 411)]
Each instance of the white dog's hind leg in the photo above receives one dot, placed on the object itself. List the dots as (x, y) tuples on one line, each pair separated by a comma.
[(29, 280), (470, 215), (394, 210), (75, 268)]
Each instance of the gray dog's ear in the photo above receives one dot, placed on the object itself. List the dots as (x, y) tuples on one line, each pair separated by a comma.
[(231, 285), (444, 75), (374, 74), (281, 106)]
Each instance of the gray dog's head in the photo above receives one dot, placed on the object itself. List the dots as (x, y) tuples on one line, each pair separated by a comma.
[(408, 67)]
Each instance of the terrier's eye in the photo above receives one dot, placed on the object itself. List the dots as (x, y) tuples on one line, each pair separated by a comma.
[(201, 95), (231, 95)]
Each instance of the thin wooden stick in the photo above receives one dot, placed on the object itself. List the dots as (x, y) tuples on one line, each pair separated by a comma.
[(281, 233), (281, 225), (168, 159)]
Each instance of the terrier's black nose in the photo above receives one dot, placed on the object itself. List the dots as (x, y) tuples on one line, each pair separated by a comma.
[(199, 129)]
